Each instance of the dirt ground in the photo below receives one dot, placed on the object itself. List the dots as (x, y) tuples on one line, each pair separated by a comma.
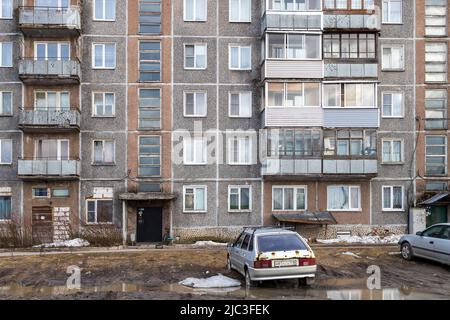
[(154, 274)]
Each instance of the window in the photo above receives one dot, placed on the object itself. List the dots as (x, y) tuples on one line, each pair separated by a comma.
[(149, 109), (105, 10), (149, 187), (293, 94), (150, 16), (353, 45), (195, 104), (52, 149), (52, 50), (5, 208), (51, 100), (392, 150), (436, 18), (239, 150), (344, 198), (6, 54), (434, 232), (99, 211), (349, 95), (294, 143), (60, 192), (293, 46), (294, 5), (240, 57), (104, 104), (289, 198), (392, 11), (357, 143), (435, 109), (240, 11), (392, 198), (195, 151), (149, 156), (240, 104), (41, 193), (239, 198), (5, 151), (436, 62), (392, 105), (149, 61), (103, 152), (5, 103), (52, 3), (195, 56), (6, 9), (435, 155), (393, 58), (104, 55), (195, 10), (349, 4), (436, 186), (194, 198)]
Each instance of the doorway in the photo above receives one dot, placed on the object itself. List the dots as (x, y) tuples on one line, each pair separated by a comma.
[(438, 215), (149, 224)]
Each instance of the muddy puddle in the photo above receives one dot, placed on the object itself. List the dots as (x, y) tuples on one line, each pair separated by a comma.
[(267, 292)]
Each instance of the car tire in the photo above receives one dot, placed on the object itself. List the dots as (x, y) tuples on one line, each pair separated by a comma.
[(406, 251), (248, 280), (229, 267), (306, 281)]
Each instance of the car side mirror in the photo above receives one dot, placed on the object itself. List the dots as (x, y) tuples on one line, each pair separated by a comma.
[(419, 233)]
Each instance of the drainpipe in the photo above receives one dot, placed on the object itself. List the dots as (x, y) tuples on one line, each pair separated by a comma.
[(124, 222)]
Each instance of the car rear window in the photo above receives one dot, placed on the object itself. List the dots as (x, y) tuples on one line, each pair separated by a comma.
[(285, 242)]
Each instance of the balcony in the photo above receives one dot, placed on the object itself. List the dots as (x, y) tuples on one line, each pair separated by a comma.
[(50, 72), (292, 117), (334, 21), (286, 69), (276, 168), (50, 120), (37, 169), (291, 21), (351, 117), (49, 21), (350, 70)]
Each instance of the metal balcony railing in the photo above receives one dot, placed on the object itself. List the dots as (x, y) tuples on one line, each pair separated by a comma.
[(31, 67), (49, 17), (49, 167), (60, 118)]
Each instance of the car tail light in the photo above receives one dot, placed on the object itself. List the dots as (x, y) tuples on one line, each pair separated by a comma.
[(262, 264), (306, 262)]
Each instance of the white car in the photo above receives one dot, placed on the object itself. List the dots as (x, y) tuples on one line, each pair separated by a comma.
[(269, 253), (433, 244)]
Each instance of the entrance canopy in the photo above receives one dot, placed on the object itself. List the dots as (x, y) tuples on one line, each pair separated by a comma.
[(146, 196), (324, 217), (436, 199)]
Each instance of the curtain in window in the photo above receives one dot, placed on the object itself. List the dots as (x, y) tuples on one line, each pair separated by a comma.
[(200, 199), (338, 198)]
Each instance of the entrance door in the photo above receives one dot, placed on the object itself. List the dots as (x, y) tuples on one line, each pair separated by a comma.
[(438, 215), (149, 224), (42, 227)]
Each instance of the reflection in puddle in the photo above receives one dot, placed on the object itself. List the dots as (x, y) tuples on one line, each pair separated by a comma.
[(235, 292)]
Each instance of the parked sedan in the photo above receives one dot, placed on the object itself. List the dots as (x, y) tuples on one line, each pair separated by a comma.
[(433, 244), (271, 253)]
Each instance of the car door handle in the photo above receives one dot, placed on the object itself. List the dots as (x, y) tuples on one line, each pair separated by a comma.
[(431, 242)]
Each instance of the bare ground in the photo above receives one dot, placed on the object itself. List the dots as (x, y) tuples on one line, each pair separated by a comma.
[(154, 274)]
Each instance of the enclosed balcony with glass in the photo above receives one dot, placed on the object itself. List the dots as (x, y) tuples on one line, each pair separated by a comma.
[(351, 14)]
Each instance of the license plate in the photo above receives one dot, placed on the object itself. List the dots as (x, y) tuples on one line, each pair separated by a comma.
[(285, 263)]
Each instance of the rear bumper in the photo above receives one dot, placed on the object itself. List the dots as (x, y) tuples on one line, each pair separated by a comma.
[(282, 273)]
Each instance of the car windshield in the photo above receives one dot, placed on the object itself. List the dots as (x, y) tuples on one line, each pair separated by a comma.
[(285, 242)]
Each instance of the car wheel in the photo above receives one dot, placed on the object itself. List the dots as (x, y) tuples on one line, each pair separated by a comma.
[(229, 264), (406, 251), (306, 281), (248, 280)]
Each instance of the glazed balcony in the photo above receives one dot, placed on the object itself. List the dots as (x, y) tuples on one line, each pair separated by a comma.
[(353, 21), (288, 69), (360, 70), (49, 72), (49, 169), (290, 21), (50, 21), (50, 120)]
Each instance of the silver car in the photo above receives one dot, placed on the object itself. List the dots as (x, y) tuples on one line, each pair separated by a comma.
[(433, 244), (272, 253)]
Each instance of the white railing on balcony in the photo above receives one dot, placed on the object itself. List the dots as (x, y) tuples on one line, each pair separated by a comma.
[(61, 68), (292, 68), (292, 21), (49, 17), (49, 168)]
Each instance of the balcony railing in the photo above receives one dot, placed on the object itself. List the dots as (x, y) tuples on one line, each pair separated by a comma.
[(351, 21), (49, 168), (350, 70), (53, 119), (65, 19), (294, 21), (38, 71)]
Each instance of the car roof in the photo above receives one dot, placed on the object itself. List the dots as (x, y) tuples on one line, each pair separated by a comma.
[(268, 230), (441, 224)]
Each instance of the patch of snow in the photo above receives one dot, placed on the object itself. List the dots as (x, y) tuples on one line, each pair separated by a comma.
[(348, 253), (219, 281), (208, 243), (74, 243), (363, 239), (394, 253)]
